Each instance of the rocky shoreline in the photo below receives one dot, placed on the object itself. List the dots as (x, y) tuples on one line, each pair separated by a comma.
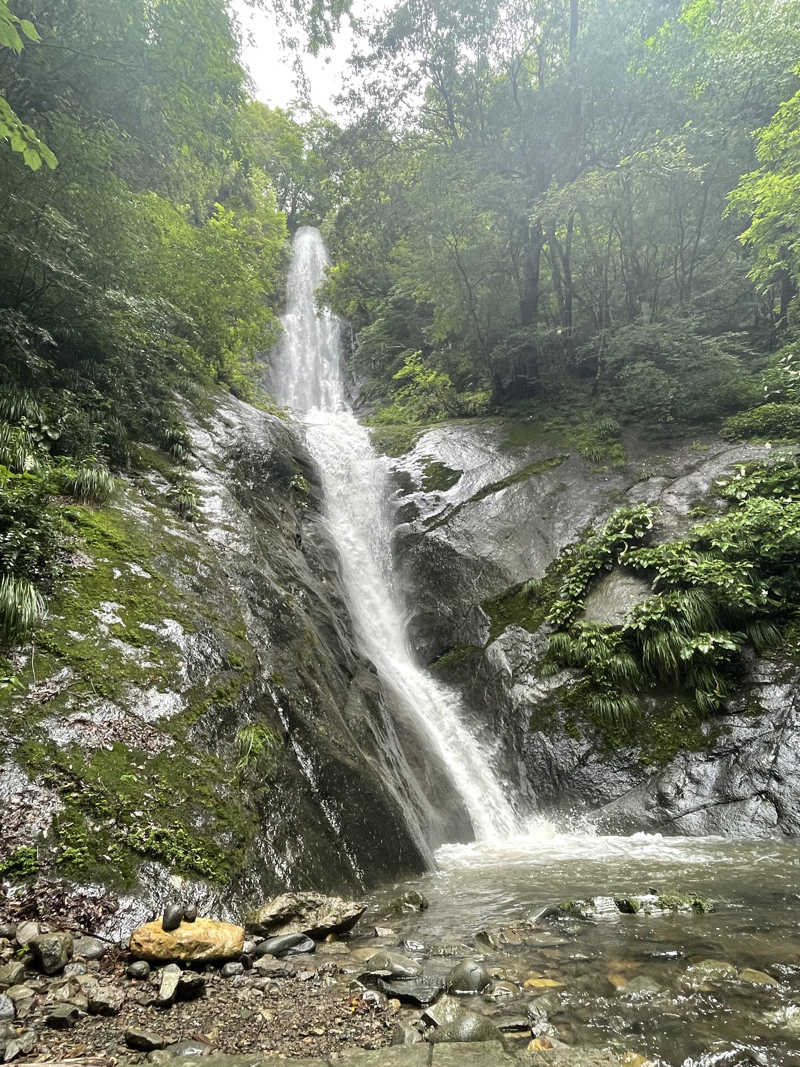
[(307, 978)]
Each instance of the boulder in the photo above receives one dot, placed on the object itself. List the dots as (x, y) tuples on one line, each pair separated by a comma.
[(204, 939), (313, 914), (52, 952)]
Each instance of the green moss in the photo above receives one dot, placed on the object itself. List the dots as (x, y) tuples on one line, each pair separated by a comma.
[(525, 605), (684, 902), (438, 477), (453, 657), (395, 440), (23, 863)]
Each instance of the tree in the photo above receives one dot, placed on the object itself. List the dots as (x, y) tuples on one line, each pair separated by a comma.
[(20, 136)]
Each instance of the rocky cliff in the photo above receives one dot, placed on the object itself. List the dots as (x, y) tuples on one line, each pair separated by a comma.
[(487, 508), (194, 706)]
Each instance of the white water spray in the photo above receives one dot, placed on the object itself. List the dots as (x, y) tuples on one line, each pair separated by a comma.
[(355, 483)]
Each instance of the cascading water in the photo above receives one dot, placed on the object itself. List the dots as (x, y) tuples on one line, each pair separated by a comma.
[(355, 483)]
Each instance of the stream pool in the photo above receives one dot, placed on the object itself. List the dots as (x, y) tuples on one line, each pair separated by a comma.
[(634, 982)]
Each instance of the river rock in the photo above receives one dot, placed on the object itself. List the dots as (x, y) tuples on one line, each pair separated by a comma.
[(139, 970), (22, 1044), (105, 999), (8, 931), (445, 1010), (641, 986), (712, 971), (757, 977), (572, 1057), (231, 970), (403, 1034), (421, 990), (205, 939), (26, 932), (189, 1048), (6, 1008), (89, 948), (286, 945), (407, 903), (483, 1054), (144, 1040), (469, 976), (468, 1026), (313, 914), (63, 1016), (191, 985), (190, 913), (392, 965), (11, 973), (51, 952)]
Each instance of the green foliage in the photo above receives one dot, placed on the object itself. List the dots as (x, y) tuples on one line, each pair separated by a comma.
[(23, 863), (257, 748), (91, 482), (21, 607), (20, 136), (772, 420)]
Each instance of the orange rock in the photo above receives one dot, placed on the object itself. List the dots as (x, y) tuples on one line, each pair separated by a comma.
[(542, 983), (540, 1044), (204, 939)]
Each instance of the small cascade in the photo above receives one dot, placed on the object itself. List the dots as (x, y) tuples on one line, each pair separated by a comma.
[(355, 480)]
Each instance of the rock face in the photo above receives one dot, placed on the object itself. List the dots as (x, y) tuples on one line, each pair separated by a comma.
[(203, 628), (313, 914), (205, 939), (516, 507)]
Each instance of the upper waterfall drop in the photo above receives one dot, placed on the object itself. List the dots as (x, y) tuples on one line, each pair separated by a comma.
[(355, 481)]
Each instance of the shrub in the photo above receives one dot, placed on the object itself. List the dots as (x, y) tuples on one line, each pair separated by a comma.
[(91, 482), (769, 420), (21, 607)]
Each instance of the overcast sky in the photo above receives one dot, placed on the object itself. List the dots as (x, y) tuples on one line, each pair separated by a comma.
[(272, 69)]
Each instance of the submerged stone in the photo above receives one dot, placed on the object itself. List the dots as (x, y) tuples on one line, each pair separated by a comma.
[(392, 965), (421, 990), (469, 976), (469, 1026)]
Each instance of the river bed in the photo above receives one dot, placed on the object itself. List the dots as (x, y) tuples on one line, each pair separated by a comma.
[(632, 981)]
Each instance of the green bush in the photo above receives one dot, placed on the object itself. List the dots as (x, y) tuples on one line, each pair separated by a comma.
[(91, 482), (21, 607), (776, 420)]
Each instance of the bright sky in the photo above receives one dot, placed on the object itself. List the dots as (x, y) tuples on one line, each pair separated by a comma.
[(272, 69)]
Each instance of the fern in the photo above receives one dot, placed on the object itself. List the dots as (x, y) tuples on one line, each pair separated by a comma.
[(21, 607), (92, 482)]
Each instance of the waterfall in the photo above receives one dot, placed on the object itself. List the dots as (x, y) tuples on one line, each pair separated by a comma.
[(355, 480)]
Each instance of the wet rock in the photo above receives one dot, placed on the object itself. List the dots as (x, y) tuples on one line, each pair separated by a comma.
[(190, 913), (469, 1026), (571, 1057), (421, 990), (641, 986), (502, 991), (231, 970), (409, 945), (205, 939), (313, 914), (448, 949), (403, 1034), (7, 1011), (407, 903), (172, 917), (51, 952), (469, 976), (11, 973), (392, 965), (144, 1040), (89, 948), (286, 945), (712, 971), (20, 1045), (512, 1024), (613, 597), (446, 1010), (105, 999), (383, 931), (139, 970), (485, 1054), (26, 932), (756, 977), (62, 1016)]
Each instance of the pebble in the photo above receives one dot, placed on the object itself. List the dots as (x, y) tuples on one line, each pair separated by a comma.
[(231, 970), (138, 970), (190, 985), (190, 913), (168, 985)]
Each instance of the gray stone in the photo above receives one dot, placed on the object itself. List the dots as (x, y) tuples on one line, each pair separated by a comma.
[(392, 965), (89, 948), (757, 977), (75, 970), (139, 970), (403, 1034), (469, 976), (613, 597), (11, 973), (52, 952), (231, 970), (286, 945), (641, 986), (445, 1010), (268, 967), (144, 1040), (63, 1016), (26, 932), (20, 1045), (105, 999), (570, 1057), (421, 990), (468, 1026), (6, 1008), (8, 931), (313, 914), (168, 985)]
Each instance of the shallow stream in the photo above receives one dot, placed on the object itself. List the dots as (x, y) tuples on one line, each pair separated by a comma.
[(684, 1015)]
